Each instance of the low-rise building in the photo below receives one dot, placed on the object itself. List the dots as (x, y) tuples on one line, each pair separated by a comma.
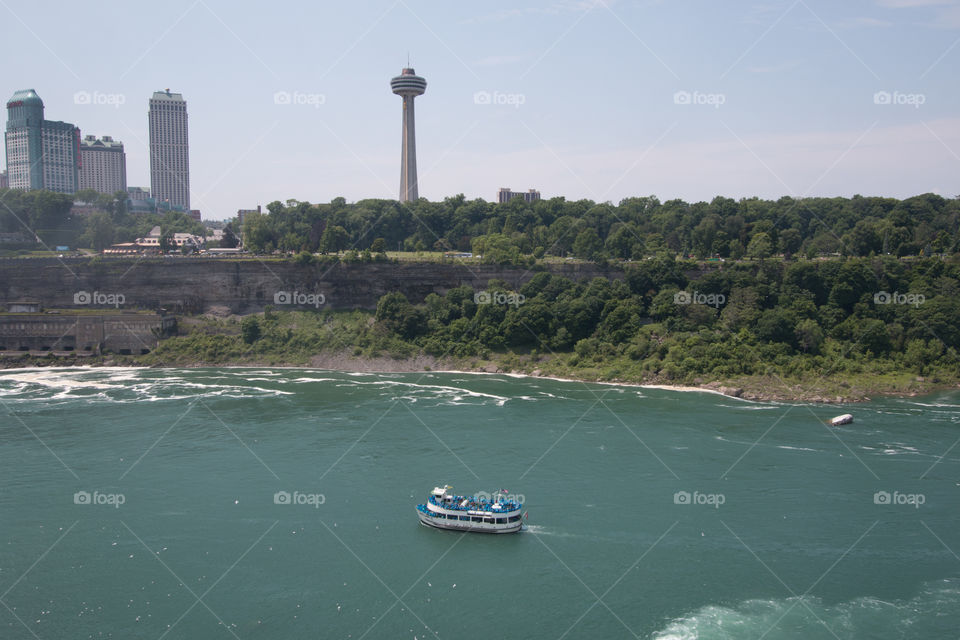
[(83, 333), (506, 195), (242, 213), (23, 306), (138, 193), (178, 240)]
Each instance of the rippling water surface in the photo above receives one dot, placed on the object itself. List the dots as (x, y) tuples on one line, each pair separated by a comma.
[(144, 503)]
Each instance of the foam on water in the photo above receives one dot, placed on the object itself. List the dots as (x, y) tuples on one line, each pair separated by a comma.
[(118, 385), (933, 613)]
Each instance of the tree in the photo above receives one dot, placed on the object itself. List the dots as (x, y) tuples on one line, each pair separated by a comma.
[(250, 329), (335, 239), (396, 313), (587, 244), (379, 245), (229, 239), (776, 325), (760, 246), (99, 233), (258, 234), (166, 241), (809, 336), (496, 248), (789, 241)]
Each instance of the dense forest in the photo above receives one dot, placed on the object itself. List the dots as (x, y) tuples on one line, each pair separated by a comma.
[(687, 308), (873, 324), (635, 228), (507, 233)]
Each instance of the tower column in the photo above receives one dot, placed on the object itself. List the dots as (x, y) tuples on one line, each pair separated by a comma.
[(408, 85)]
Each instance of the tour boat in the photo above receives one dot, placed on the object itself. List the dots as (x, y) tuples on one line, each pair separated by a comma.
[(841, 420), (486, 513)]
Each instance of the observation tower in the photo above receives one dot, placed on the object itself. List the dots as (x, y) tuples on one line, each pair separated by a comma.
[(408, 85)]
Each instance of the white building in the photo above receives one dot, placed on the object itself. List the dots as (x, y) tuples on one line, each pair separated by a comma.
[(103, 165), (152, 240), (169, 149)]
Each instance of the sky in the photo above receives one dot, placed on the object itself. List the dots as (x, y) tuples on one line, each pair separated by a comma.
[(596, 99)]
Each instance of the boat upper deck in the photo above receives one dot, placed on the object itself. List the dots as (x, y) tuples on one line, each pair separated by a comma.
[(473, 503)]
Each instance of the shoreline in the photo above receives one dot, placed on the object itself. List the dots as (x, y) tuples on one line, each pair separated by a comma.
[(747, 390)]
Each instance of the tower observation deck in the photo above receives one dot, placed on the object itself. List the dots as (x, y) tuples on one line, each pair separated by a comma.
[(408, 85)]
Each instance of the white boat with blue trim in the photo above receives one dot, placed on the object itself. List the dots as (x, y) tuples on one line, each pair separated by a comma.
[(486, 513)]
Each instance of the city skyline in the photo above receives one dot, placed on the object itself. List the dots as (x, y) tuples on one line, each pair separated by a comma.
[(681, 101)]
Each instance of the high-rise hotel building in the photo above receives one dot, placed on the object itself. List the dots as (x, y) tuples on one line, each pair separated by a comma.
[(41, 154), (169, 150), (103, 165)]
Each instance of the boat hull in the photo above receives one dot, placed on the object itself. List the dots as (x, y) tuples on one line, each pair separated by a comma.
[(461, 525)]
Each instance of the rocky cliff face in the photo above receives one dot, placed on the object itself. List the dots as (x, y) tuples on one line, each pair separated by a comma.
[(197, 285)]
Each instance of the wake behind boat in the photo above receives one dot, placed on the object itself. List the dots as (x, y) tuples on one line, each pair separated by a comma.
[(497, 513)]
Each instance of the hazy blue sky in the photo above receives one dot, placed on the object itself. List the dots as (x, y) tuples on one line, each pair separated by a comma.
[(781, 96)]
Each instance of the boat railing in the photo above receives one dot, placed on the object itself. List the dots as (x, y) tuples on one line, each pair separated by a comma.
[(456, 501)]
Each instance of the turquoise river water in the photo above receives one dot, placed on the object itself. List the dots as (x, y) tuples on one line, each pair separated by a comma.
[(279, 503)]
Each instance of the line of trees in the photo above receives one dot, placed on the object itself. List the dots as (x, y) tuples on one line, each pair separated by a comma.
[(734, 320), (632, 229), (46, 216)]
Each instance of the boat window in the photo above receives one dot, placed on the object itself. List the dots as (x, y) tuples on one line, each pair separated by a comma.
[(500, 521), (476, 519), (467, 518), (513, 518)]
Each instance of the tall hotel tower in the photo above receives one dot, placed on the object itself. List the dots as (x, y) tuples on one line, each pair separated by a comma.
[(408, 85), (169, 149), (104, 165), (41, 154)]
